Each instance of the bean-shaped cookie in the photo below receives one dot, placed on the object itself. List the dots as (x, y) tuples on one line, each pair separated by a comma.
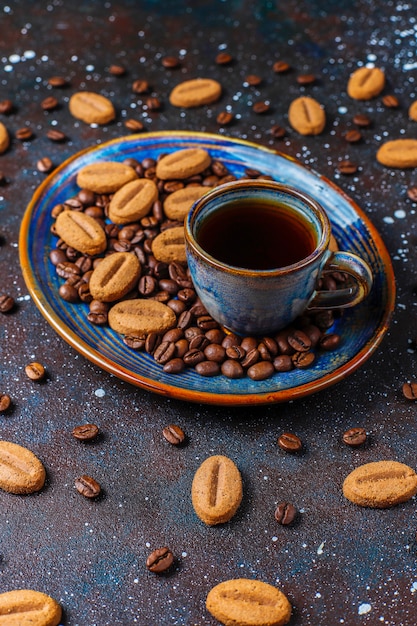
[(26, 607), (183, 163), (81, 232), (216, 491), (21, 471), (133, 201), (398, 153), (114, 276), (178, 203), (169, 246), (195, 92), (307, 116), (91, 107), (140, 317), (105, 176), (4, 138), (366, 83), (247, 602), (380, 484)]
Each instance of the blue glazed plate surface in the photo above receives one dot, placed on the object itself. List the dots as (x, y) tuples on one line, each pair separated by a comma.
[(362, 328)]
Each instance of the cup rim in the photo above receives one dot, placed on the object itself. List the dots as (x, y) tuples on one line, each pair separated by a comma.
[(320, 213)]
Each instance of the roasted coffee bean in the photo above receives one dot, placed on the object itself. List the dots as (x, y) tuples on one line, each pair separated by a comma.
[(174, 334), (215, 352), (264, 352), (68, 293), (171, 62), (24, 134), (7, 303), (390, 101), (5, 402), (49, 104), (253, 80), (160, 560), (58, 81), (133, 125), (136, 343), (277, 131), (280, 67), (44, 165), (299, 341), (361, 119), (410, 390), (185, 319), (231, 368), (193, 357), (290, 442), (87, 486), (230, 340), (208, 368), (215, 335), (153, 104), (306, 79), (224, 118), (282, 342), (67, 269), (6, 107), (174, 366), (147, 285), (206, 322), (85, 432), (98, 319), (192, 331), (313, 333), (186, 295), (412, 193), (199, 342), (153, 340), (223, 58), (35, 371), (283, 363), (56, 135), (302, 360), (249, 343), (117, 70), (140, 86), (174, 434), (354, 436), (235, 352), (164, 352), (329, 342), (353, 136), (285, 513), (252, 357), (347, 167), (261, 370), (261, 107)]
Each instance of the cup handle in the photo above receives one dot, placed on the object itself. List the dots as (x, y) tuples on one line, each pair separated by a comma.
[(354, 293)]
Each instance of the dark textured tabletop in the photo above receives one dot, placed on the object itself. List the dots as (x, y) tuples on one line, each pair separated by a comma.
[(339, 563)]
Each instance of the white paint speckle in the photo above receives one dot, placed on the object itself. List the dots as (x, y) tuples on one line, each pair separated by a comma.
[(100, 393), (388, 220), (364, 608), (413, 587), (320, 548), (400, 214)]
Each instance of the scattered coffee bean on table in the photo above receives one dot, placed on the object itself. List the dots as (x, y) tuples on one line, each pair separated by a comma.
[(87, 486), (7, 303), (5, 402), (290, 442), (410, 390), (174, 434), (85, 432), (354, 437), (35, 371), (285, 513), (160, 560)]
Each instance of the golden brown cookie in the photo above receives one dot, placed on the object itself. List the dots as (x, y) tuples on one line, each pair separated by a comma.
[(25, 607), (169, 245), (133, 201), (178, 203), (81, 231), (412, 111), (140, 317), (91, 108), (380, 484), (20, 470), (114, 276), (216, 491), (4, 138), (307, 116), (195, 92), (399, 153), (183, 164), (105, 176), (245, 602), (366, 83)]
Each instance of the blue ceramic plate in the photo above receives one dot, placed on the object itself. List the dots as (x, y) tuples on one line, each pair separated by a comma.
[(362, 328)]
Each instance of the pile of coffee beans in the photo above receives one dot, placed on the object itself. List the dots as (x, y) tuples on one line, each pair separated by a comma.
[(197, 341)]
